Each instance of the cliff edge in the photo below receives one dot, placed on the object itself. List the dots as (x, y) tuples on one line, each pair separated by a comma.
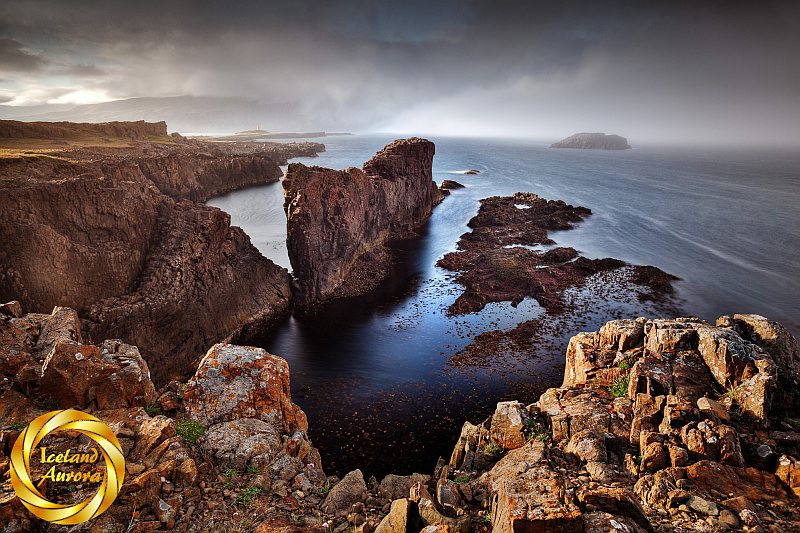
[(116, 233)]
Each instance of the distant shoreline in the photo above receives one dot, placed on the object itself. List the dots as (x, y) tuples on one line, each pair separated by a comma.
[(254, 135)]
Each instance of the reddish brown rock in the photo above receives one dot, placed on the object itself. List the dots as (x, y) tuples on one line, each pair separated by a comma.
[(170, 276), (530, 496), (495, 263), (788, 471), (12, 309), (110, 376), (509, 424), (340, 222), (242, 382)]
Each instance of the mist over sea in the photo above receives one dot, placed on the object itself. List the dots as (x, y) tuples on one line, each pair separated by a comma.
[(373, 373)]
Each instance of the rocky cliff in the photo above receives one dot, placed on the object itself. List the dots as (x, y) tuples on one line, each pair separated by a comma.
[(341, 222), (139, 130), (113, 233), (593, 141)]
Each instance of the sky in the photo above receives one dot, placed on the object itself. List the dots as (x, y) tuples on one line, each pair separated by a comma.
[(699, 71)]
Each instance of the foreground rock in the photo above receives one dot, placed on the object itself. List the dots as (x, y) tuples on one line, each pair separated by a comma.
[(667, 425), (130, 250), (593, 141), (235, 382), (659, 425), (340, 223), (504, 258), (194, 473)]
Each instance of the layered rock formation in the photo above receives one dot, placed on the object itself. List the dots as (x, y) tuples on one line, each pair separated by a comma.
[(340, 223), (140, 130), (593, 141), (504, 258), (112, 233)]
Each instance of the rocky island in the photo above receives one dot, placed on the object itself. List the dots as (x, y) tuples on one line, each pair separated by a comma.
[(341, 222), (105, 218), (508, 256), (593, 141)]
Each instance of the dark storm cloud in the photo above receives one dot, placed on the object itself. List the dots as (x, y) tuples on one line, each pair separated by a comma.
[(714, 69), (14, 58)]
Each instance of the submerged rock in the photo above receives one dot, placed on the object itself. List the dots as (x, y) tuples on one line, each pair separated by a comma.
[(498, 260)]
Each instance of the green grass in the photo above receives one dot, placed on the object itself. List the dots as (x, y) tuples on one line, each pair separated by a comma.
[(190, 430), (324, 490), (152, 410), (253, 469), (17, 426), (619, 388), (534, 430), (248, 496), (462, 479), (46, 403), (732, 393), (492, 448), (628, 362)]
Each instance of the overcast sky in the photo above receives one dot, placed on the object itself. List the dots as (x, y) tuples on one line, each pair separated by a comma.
[(716, 71)]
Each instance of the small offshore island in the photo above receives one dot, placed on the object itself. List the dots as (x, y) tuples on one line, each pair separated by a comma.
[(128, 300), (593, 141)]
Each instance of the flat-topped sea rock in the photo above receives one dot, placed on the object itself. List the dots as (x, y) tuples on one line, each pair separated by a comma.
[(593, 141)]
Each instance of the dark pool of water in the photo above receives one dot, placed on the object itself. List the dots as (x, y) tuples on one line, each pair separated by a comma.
[(372, 373)]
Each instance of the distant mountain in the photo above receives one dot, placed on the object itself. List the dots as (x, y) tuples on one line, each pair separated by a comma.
[(184, 114)]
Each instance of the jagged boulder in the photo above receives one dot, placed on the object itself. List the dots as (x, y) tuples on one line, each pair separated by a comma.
[(509, 424), (350, 490), (239, 443), (528, 495), (111, 376), (234, 382)]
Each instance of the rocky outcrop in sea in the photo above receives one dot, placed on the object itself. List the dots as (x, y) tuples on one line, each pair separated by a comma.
[(341, 222), (593, 141)]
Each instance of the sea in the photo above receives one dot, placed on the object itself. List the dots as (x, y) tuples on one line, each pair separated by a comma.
[(376, 374)]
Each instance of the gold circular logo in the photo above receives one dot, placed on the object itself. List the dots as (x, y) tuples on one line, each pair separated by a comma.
[(28, 493)]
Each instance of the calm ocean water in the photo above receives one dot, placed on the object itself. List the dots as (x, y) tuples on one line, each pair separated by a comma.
[(373, 373)]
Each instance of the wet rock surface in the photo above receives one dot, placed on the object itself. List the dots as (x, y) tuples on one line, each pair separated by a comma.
[(504, 257), (340, 223)]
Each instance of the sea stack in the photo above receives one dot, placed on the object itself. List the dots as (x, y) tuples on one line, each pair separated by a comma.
[(341, 221), (593, 141)]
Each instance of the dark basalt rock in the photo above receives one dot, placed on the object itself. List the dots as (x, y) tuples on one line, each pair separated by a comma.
[(340, 222), (496, 262)]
